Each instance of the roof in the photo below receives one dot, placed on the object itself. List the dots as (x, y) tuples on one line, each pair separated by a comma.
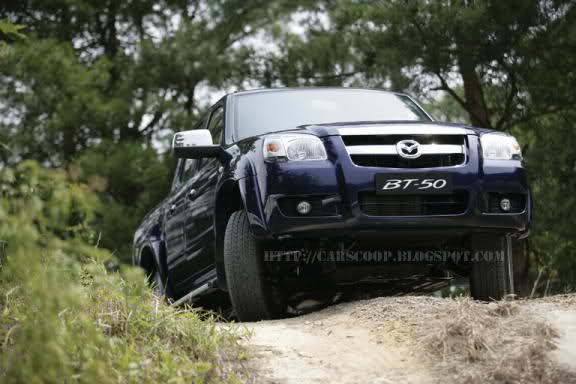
[(264, 90)]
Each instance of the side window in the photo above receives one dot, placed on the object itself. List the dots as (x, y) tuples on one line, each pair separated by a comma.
[(216, 126), (177, 173)]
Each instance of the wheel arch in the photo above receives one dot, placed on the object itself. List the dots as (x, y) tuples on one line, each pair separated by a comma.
[(147, 259), (150, 258), (228, 200)]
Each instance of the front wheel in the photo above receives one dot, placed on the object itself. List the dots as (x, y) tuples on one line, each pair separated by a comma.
[(155, 281), (251, 292), (490, 273)]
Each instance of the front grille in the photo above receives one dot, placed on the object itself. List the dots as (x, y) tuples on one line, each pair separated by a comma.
[(413, 205), (380, 150), (393, 139), (395, 161)]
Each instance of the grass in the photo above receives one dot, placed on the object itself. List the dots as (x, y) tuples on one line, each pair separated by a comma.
[(465, 341), (65, 319), (111, 329), (500, 342)]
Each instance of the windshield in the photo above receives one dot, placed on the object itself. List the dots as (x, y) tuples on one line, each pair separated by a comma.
[(259, 113)]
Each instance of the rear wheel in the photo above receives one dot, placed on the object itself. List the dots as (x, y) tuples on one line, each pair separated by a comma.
[(490, 273), (252, 294)]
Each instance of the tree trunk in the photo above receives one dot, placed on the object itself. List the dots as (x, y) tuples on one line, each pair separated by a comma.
[(68, 144), (475, 105), (473, 92)]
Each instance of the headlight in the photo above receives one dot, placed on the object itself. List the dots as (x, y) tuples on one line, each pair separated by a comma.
[(499, 146), (294, 148)]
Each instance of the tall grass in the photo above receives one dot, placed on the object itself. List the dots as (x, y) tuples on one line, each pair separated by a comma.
[(65, 319)]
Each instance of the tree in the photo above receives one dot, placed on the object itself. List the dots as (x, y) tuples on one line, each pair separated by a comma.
[(99, 85), (494, 58), (551, 161), (109, 70), (504, 64)]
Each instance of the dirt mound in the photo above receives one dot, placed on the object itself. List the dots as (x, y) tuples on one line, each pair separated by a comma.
[(420, 339)]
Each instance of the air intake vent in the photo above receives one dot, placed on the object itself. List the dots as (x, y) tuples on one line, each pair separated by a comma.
[(413, 205), (395, 161)]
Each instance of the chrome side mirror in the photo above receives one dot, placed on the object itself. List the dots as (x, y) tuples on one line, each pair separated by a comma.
[(194, 144)]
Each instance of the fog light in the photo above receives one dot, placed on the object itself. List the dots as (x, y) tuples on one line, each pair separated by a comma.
[(304, 207), (505, 205)]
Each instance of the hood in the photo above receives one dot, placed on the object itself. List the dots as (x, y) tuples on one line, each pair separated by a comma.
[(334, 129)]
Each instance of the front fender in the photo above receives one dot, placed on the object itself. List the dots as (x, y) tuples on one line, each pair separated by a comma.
[(243, 165), (149, 238), (253, 204)]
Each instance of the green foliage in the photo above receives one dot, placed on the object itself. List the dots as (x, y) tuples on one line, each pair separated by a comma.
[(551, 163), (446, 109), (320, 57), (9, 31), (97, 83), (500, 55), (54, 103), (119, 71), (65, 319), (550, 160), (130, 180)]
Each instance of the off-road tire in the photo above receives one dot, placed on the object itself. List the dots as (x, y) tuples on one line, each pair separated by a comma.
[(489, 279), (250, 291)]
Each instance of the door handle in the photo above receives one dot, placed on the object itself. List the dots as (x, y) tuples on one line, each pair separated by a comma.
[(191, 194)]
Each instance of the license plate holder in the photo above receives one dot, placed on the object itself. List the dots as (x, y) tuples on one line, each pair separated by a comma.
[(413, 183)]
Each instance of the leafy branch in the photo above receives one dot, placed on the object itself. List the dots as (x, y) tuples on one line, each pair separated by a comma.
[(10, 32)]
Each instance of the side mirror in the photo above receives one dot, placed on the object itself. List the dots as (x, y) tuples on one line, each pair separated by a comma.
[(194, 144)]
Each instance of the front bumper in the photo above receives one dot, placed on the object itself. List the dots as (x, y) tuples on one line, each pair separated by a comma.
[(339, 176)]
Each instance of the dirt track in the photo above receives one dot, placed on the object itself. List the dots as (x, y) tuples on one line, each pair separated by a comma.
[(420, 340)]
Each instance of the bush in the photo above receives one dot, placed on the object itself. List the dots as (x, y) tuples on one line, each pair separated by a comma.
[(130, 179), (551, 163), (66, 319)]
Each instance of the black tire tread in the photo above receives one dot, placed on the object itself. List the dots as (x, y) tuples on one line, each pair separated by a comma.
[(243, 267), (488, 279)]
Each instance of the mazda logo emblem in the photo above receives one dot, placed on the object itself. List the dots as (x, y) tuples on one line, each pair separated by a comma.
[(408, 149)]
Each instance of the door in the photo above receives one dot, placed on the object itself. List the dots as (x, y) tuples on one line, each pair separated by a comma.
[(175, 219), (193, 207), (199, 234)]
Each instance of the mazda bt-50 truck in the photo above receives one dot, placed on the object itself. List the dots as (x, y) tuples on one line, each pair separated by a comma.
[(281, 190)]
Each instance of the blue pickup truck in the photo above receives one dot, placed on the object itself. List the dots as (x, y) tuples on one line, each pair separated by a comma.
[(277, 190)]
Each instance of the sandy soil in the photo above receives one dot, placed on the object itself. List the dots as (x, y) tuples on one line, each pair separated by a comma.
[(565, 353), (420, 340)]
